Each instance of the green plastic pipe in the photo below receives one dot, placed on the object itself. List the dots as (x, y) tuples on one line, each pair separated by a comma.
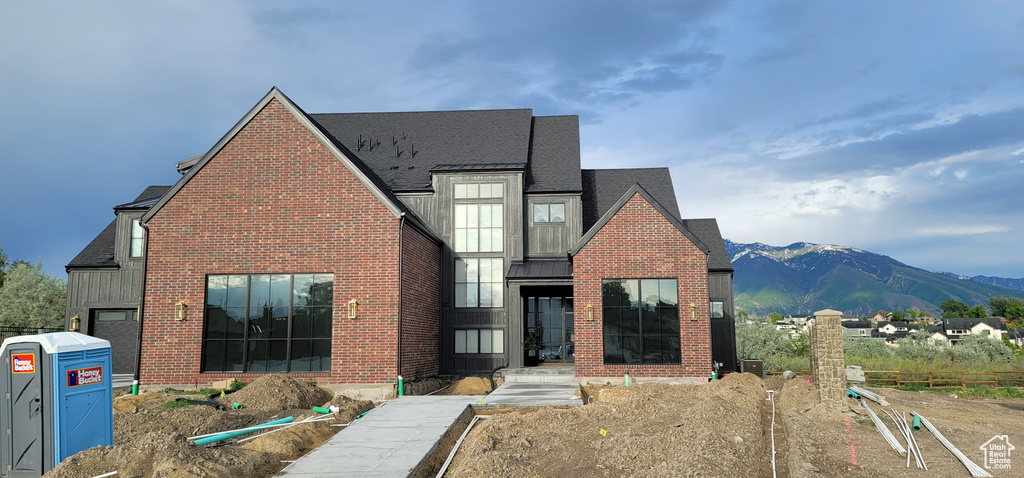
[(400, 391), (244, 431), (135, 387), (917, 423), (321, 410), (627, 379)]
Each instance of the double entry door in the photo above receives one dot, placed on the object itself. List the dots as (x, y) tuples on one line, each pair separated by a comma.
[(549, 330)]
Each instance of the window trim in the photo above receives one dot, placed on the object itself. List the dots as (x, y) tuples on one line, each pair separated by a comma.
[(136, 244), (501, 283), (640, 321), (478, 332), (289, 339), (547, 206)]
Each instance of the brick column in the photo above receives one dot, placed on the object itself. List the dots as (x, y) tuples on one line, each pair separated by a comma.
[(827, 361)]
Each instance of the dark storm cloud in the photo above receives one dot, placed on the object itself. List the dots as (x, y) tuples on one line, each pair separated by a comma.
[(578, 52), (970, 133)]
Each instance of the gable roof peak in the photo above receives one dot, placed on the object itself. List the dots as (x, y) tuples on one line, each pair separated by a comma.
[(634, 190)]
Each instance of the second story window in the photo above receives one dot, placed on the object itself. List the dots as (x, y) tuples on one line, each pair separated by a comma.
[(479, 218), (548, 213), (135, 250)]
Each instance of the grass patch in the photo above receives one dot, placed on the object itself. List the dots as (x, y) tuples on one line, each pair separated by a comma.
[(978, 392), (174, 404)]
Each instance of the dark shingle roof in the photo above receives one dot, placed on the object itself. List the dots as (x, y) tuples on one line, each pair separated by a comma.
[(100, 252), (402, 148), (959, 324), (707, 231), (540, 269), (856, 324), (147, 199), (554, 155), (603, 187)]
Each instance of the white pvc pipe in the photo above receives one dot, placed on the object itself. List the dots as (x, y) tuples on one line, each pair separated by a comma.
[(455, 448), (971, 466)]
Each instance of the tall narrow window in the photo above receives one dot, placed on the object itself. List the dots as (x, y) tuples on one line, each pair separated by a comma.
[(135, 250), (641, 321), (479, 282)]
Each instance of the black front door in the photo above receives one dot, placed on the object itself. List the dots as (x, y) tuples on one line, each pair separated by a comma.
[(23, 448), (549, 330)]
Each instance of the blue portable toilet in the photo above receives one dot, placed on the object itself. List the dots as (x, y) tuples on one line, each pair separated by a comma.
[(58, 396)]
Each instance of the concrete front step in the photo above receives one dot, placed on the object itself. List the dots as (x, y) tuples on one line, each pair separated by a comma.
[(541, 375)]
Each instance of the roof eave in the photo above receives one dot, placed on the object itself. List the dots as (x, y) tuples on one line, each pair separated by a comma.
[(388, 200), (633, 190)]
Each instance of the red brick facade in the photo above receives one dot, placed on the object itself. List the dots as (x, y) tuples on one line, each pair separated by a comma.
[(639, 242), (275, 200), (421, 281)]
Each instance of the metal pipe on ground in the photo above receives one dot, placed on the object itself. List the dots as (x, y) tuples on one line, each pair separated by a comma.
[(971, 466), (884, 430)]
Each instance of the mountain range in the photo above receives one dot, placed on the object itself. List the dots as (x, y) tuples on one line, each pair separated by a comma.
[(802, 278)]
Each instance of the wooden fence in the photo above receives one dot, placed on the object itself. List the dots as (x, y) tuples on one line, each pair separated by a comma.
[(936, 378), (945, 378)]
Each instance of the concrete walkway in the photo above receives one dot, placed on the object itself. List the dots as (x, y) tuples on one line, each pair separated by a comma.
[(389, 441), (533, 394)]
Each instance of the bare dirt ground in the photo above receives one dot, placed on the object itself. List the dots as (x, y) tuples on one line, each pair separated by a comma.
[(642, 430), (722, 429), (819, 444), (151, 441)]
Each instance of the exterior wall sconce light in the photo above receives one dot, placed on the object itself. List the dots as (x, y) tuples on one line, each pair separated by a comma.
[(353, 309), (179, 310), (76, 324), (693, 311), (590, 312)]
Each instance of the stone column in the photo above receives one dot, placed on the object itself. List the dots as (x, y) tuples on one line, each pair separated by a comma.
[(827, 361)]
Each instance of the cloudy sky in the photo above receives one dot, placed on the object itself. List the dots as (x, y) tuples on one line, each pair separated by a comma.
[(896, 127)]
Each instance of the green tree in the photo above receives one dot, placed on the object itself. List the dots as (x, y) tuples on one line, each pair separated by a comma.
[(898, 315), (742, 316), (999, 305), (31, 298), (977, 312), (774, 317), (953, 309), (762, 342), (3, 266)]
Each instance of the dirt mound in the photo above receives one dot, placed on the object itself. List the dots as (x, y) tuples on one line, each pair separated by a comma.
[(469, 386), (641, 430), (278, 392), (150, 440)]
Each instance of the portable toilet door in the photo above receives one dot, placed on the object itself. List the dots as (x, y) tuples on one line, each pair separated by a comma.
[(25, 398)]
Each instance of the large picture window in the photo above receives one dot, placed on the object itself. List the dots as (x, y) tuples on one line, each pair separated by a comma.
[(268, 323), (641, 321), (479, 282)]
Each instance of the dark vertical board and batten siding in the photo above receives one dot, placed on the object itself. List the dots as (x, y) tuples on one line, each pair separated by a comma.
[(437, 211), (723, 331), (553, 239)]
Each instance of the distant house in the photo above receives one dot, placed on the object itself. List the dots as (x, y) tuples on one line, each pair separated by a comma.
[(899, 334), (879, 316), (959, 327), (857, 328), (891, 327), (938, 335), (799, 319), (1015, 336)]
